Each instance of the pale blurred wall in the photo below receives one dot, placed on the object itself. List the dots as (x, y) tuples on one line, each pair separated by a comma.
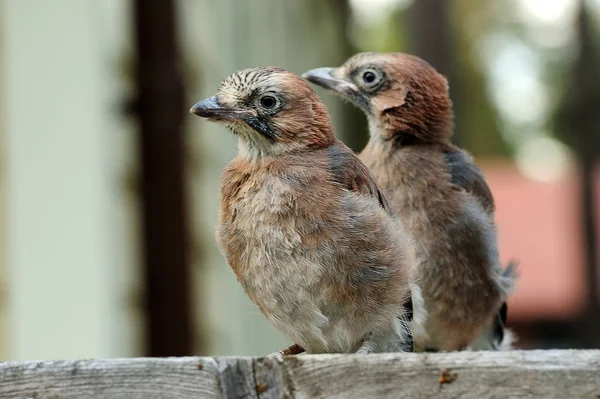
[(3, 247), (68, 237), (220, 37)]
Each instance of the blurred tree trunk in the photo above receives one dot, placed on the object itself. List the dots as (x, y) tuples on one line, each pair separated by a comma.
[(431, 37), (161, 108), (581, 130)]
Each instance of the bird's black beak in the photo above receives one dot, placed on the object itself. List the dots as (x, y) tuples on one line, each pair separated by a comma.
[(211, 109), (325, 78)]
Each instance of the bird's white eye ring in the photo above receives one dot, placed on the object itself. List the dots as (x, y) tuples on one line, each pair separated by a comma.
[(370, 79), (268, 102)]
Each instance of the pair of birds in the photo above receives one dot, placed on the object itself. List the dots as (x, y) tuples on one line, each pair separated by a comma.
[(391, 250)]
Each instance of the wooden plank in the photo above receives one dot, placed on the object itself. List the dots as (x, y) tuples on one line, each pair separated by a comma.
[(237, 378), (515, 374), (120, 378), (269, 378)]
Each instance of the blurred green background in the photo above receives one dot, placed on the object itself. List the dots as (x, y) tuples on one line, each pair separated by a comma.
[(110, 189)]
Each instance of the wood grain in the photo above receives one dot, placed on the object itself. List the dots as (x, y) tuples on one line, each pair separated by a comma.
[(517, 374)]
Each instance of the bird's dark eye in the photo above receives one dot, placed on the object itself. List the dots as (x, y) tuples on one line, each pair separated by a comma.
[(369, 77), (268, 102)]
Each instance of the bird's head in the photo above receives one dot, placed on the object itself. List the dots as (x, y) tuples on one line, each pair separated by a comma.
[(400, 93), (272, 111)]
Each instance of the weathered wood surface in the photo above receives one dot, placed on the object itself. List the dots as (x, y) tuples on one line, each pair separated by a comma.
[(517, 374)]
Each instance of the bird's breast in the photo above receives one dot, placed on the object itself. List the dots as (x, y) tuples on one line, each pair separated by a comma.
[(282, 247), (262, 238)]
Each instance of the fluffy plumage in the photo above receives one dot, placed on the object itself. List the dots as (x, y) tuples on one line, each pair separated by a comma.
[(438, 193), (303, 225)]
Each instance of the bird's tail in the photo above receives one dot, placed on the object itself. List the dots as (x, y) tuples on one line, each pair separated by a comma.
[(419, 318), (498, 337), (403, 329), (507, 342), (502, 337), (507, 279)]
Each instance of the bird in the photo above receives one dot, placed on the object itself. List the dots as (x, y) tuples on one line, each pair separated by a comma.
[(303, 225), (438, 193)]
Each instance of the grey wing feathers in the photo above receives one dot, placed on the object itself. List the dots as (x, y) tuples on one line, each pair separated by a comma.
[(466, 175), (348, 170)]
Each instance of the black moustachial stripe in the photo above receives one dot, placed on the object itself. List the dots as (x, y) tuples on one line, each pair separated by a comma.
[(361, 100), (261, 127)]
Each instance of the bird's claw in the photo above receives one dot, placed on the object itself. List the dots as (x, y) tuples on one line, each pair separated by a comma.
[(290, 350)]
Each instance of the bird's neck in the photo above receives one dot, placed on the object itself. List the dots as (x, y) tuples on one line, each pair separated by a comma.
[(401, 137), (254, 152), (251, 151)]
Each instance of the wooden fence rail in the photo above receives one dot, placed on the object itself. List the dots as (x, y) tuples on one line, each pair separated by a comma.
[(566, 374)]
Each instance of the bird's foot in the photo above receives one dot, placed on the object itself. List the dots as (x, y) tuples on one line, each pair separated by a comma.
[(290, 350), (368, 346)]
